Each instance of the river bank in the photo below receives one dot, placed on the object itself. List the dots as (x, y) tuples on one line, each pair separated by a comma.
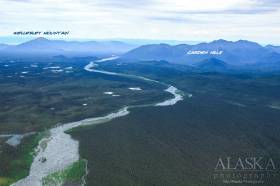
[(61, 150)]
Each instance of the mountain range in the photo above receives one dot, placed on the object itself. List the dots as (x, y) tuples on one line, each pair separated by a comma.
[(44, 47), (241, 52), (218, 55)]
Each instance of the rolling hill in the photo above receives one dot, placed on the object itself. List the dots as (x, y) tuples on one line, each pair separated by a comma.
[(237, 53)]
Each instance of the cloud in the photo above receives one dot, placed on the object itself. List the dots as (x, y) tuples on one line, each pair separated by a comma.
[(235, 7), (161, 19), (19, 1), (171, 19), (268, 2), (228, 11), (120, 4)]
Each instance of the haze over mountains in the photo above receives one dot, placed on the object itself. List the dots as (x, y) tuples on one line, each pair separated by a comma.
[(2, 46), (273, 48), (44, 47), (218, 55), (234, 53)]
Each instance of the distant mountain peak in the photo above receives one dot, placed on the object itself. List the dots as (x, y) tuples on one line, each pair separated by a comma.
[(221, 41), (38, 42), (44, 47), (241, 41), (238, 53), (41, 39), (246, 42)]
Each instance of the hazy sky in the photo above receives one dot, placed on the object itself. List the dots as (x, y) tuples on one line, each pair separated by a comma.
[(257, 20)]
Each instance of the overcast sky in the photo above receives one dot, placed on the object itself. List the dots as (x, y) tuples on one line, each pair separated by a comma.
[(194, 20)]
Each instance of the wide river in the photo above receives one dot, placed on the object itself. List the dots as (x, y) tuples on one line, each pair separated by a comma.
[(62, 151)]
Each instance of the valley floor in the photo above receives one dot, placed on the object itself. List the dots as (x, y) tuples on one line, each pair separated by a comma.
[(223, 115), (227, 116)]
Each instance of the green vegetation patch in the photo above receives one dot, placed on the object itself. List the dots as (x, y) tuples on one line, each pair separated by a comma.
[(227, 116), (15, 162), (72, 175)]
